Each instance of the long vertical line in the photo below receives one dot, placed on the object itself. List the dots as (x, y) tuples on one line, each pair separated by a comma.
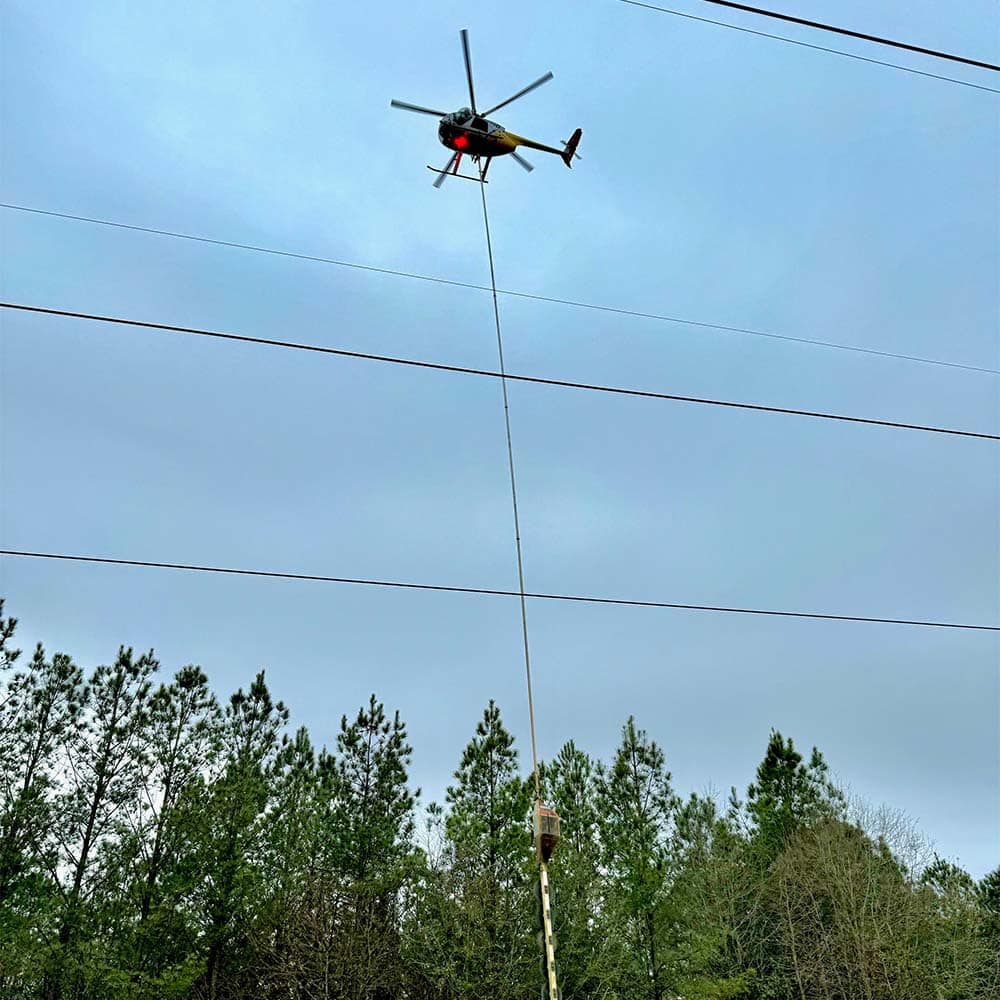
[(513, 498)]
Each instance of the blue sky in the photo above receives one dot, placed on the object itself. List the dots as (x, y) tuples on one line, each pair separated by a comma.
[(726, 178)]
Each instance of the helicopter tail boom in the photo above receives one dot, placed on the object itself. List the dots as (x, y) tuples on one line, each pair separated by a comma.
[(567, 154)]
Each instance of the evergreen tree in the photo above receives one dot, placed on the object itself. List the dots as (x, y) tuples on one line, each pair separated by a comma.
[(636, 806), (376, 806), (706, 851), (375, 826), (42, 705), (575, 873), (789, 793), (8, 626), (296, 931), (489, 806), (474, 925), (232, 837), (38, 708), (988, 892), (156, 855), (430, 916), (105, 754)]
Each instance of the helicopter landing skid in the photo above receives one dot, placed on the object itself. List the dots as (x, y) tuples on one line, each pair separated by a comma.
[(465, 177)]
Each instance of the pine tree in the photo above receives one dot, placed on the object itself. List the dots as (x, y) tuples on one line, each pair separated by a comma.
[(156, 856), (706, 853), (789, 793), (376, 817), (489, 806), (473, 935), (636, 805), (295, 933), (575, 873), (788, 797), (232, 834), (988, 892), (38, 708), (105, 756), (375, 825), (42, 706), (8, 657)]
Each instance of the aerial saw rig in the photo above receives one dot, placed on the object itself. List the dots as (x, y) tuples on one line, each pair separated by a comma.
[(469, 132)]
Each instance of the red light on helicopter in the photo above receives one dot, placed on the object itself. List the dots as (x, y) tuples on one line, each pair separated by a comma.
[(461, 141)]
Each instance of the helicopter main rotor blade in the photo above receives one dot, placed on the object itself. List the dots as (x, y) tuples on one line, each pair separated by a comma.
[(522, 161), (468, 68), (520, 93), (440, 179), (416, 107)]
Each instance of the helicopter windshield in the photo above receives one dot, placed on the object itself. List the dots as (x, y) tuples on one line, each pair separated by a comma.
[(461, 116)]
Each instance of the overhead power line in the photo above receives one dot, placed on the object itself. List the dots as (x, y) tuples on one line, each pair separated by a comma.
[(486, 373), (615, 310), (937, 53), (810, 45), (487, 591)]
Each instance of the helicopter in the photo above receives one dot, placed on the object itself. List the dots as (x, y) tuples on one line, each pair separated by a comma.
[(469, 132)]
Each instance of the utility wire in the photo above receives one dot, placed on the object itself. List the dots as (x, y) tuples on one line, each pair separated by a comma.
[(573, 598), (937, 53), (513, 498), (810, 45), (754, 333), (502, 291), (503, 375)]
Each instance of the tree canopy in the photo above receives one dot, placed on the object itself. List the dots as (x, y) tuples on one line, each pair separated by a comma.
[(158, 845)]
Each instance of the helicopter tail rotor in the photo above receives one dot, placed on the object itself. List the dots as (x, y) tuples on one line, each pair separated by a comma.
[(570, 151)]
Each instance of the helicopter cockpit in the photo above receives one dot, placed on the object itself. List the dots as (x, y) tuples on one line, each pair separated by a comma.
[(464, 118)]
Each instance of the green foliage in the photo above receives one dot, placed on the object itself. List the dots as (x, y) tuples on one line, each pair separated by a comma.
[(375, 817), (106, 752), (42, 706), (156, 847), (636, 805), (8, 654), (988, 893), (474, 927), (231, 832), (156, 855), (487, 822), (789, 793), (569, 784)]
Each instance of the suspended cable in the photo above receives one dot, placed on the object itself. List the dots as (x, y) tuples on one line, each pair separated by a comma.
[(747, 331), (503, 375), (810, 45), (442, 588), (855, 34), (754, 333), (513, 498)]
